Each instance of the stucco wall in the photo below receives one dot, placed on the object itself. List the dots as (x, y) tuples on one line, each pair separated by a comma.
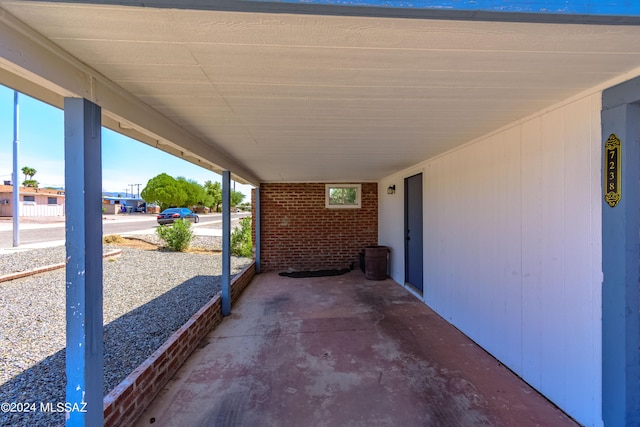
[(298, 232), (512, 248)]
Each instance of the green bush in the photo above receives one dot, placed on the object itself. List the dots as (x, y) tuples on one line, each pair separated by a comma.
[(176, 236), (241, 239)]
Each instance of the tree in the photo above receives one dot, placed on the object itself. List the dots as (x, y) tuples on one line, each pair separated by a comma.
[(236, 197), (165, 191), (214, 190), (194, 192), (28, 177), (204, 199), (28, 172)]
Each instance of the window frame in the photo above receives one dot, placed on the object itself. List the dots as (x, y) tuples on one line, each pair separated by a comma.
[(327, 192), (32, 198), (54, 199)]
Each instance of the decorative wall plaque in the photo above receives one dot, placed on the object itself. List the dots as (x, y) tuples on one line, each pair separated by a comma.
[(612, 166)]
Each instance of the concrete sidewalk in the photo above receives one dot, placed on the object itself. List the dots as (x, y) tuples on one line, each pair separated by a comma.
[(343, 351)]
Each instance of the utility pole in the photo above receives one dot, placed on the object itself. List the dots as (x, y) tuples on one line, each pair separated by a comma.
[(132, 193), (16, 186)]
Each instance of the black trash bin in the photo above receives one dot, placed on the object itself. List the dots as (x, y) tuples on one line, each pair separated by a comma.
[(376, 260)]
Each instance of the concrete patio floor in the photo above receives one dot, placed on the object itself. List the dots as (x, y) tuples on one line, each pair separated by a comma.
[(343, 351)]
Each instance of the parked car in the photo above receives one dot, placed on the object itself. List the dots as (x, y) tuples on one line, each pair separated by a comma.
[(167, 216)]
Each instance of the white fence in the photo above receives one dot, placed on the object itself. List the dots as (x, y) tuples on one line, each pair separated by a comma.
[(30, 210)]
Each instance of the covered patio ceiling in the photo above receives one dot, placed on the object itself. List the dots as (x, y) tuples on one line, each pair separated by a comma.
[(283, 96)]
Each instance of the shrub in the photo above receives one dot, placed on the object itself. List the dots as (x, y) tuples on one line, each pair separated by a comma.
[(241, 239), (176, 236)]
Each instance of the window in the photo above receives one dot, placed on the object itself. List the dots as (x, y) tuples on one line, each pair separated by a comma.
[(52, 200), (29, 198), (342, 196)]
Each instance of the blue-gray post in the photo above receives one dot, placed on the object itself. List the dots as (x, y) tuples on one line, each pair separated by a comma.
[(83, 190), (257, 222), (226, 243), (15, 196), (621, 267)]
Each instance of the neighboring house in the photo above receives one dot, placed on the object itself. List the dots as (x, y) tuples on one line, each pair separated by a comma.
[(33, 202), (114, 205)]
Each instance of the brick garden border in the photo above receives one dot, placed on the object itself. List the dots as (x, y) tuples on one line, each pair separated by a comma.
[(129, 399), (38, 270)]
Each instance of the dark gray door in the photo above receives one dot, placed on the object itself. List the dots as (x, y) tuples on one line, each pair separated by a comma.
[(413, 230)]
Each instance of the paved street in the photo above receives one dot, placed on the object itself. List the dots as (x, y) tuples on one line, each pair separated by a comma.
[(50, 231)]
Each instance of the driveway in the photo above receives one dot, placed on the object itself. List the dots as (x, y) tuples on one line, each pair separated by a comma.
[(343, 351)]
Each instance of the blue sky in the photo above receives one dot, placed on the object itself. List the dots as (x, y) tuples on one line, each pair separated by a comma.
[(42, 148)]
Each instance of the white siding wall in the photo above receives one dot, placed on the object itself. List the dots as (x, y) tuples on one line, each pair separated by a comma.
[(512, 248)]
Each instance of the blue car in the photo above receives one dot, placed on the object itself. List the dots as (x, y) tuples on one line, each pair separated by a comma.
[(167, 216)]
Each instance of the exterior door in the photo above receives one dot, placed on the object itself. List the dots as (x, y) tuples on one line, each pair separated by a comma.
[(413, 231)]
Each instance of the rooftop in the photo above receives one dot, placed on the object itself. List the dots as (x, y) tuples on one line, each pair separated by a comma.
[(54, 191)]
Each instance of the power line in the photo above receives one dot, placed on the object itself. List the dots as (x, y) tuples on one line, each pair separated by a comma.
[(132, 193)]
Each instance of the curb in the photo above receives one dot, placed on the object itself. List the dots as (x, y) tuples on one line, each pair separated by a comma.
[(38, 270)]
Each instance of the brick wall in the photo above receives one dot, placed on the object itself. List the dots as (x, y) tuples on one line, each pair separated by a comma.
[(298, 232), (134, 394)]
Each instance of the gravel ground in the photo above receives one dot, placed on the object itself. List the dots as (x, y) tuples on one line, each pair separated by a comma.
[(25, 260), (147, 296)]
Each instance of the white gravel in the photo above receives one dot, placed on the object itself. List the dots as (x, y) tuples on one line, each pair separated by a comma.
[(147, 296)]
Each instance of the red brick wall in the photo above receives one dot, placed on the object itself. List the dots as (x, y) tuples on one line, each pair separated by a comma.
[(298, 232)]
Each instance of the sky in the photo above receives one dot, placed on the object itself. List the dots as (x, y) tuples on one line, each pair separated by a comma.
[(125, 161)]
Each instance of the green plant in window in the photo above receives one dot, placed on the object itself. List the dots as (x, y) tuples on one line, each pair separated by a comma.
[(342, 196), (349, 196), (336, 196)]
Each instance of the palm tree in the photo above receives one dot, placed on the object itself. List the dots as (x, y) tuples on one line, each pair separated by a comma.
[(28, 172), (28, 177)]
